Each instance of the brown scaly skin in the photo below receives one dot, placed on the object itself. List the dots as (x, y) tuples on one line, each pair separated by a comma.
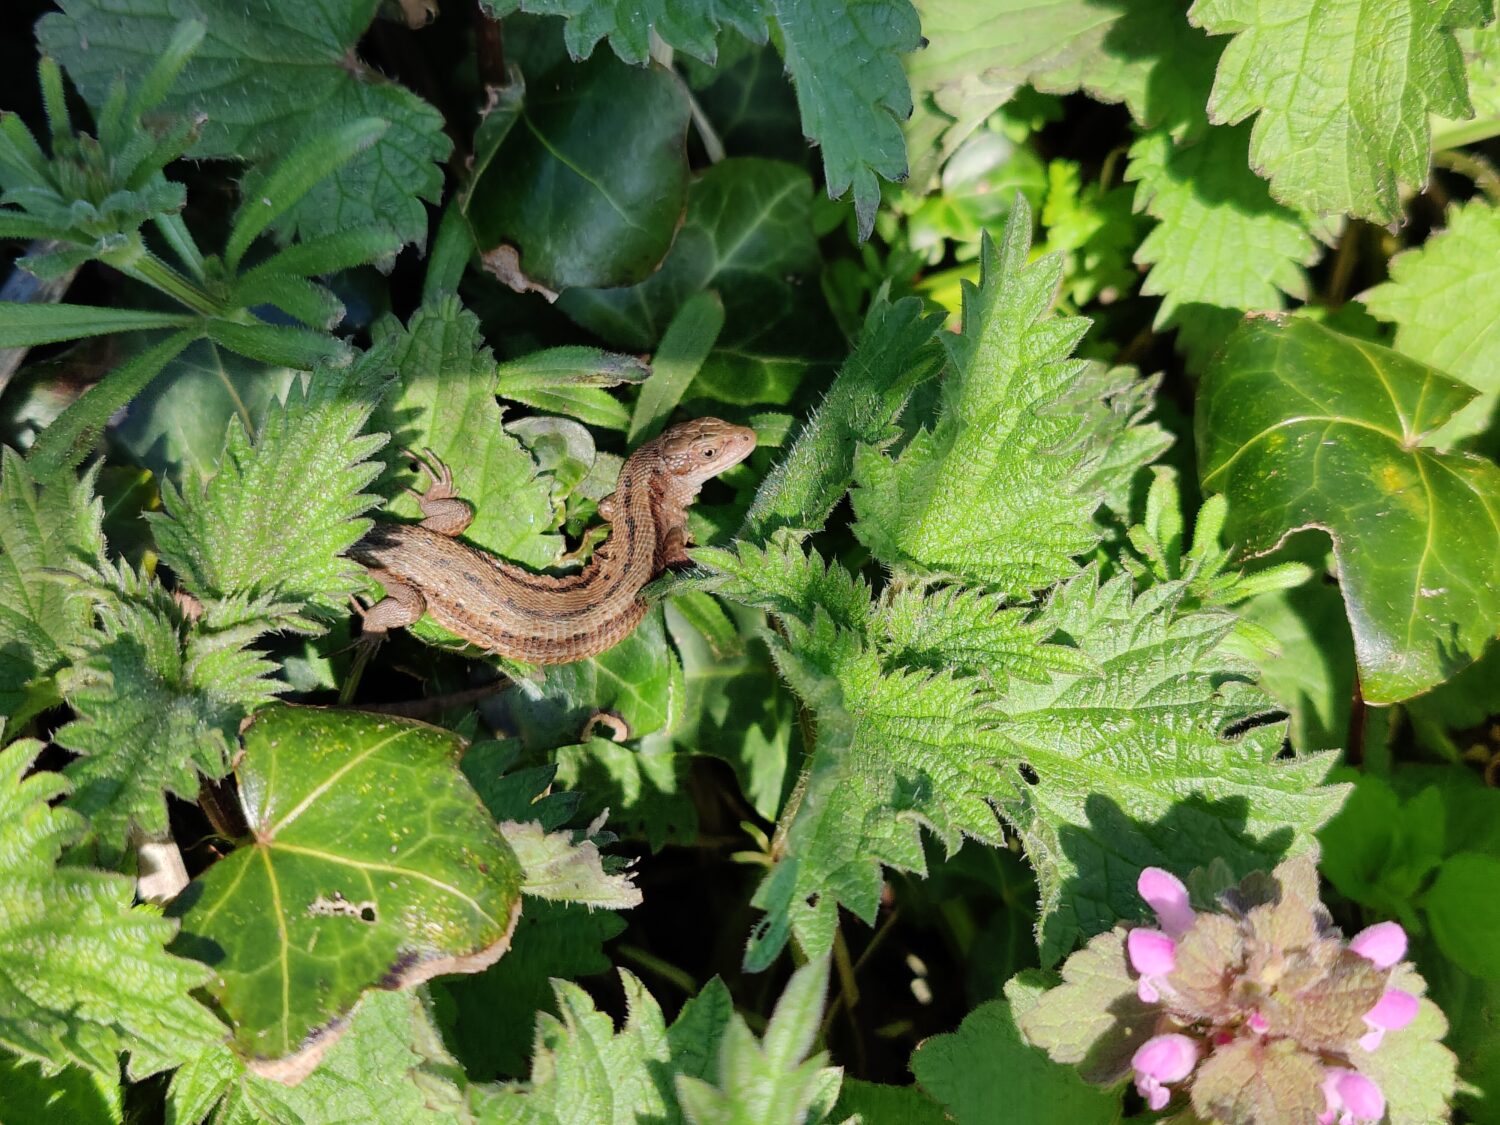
[(539, 618)]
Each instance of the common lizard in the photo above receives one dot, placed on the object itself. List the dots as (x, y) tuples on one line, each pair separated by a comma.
[(539, 618)]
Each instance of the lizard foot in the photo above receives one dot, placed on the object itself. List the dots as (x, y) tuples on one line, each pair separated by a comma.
[(445, 513)]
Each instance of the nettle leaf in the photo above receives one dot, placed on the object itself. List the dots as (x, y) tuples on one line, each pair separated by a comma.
[(1481, 50), (1143, 53), (747, 234), (903, 747), (295, 75), (1341, 91), (445, 401), (281, 510), (693, 28), (388, 1065), (85, 975), (1444, 298), (589, 185), (371, 863), (773, 1079), (1221, 244), (844, 61), (43, 525), (1129, 765), (582, 1069), (985, 1072), (707, 1066), (159, 703), (896, 352), (842, 57), (28, 1094), (992, 493), (1302, 427), (552, 940), (566, 866)]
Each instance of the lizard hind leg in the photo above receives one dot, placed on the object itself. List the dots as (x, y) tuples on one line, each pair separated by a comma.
[(402, 605), (444, 512)]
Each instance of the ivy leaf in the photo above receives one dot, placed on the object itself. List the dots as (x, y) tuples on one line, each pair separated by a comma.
[(85, 974), (387, 1066), (734, 706), (1444, 298), (44, 525), (748, 234), (295, 75), (644, 788), (281, 510), (445, 401), (842, 57), (371, 864), (1342, 90), (992, 493), (589, 187), (177, 426), (1302, 427), (634, 682), (158, 703), (985, 1072), (1221, 244)]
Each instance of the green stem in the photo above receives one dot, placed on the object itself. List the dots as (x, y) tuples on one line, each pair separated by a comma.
[(1465, 133), (135, 261), (157, 274)]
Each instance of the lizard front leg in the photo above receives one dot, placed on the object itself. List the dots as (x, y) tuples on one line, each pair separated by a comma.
[(674, 546), (445, 513), (403, 605)]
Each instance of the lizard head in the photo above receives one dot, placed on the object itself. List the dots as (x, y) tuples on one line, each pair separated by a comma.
[(692, 452)]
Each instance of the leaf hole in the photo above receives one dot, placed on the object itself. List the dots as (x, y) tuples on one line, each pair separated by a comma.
[(1241, 727)]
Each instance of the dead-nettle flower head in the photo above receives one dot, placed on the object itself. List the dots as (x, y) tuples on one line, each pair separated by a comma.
[(1254, 1009)]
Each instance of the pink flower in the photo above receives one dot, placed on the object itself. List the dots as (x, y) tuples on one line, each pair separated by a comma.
[(1382, 944), (1166, 895), (1152, 954), (1161, 1061), (1258, 1023), (1351, 1098), (1395, 1010)]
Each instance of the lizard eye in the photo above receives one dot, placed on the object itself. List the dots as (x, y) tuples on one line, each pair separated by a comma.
[(709, 454)]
